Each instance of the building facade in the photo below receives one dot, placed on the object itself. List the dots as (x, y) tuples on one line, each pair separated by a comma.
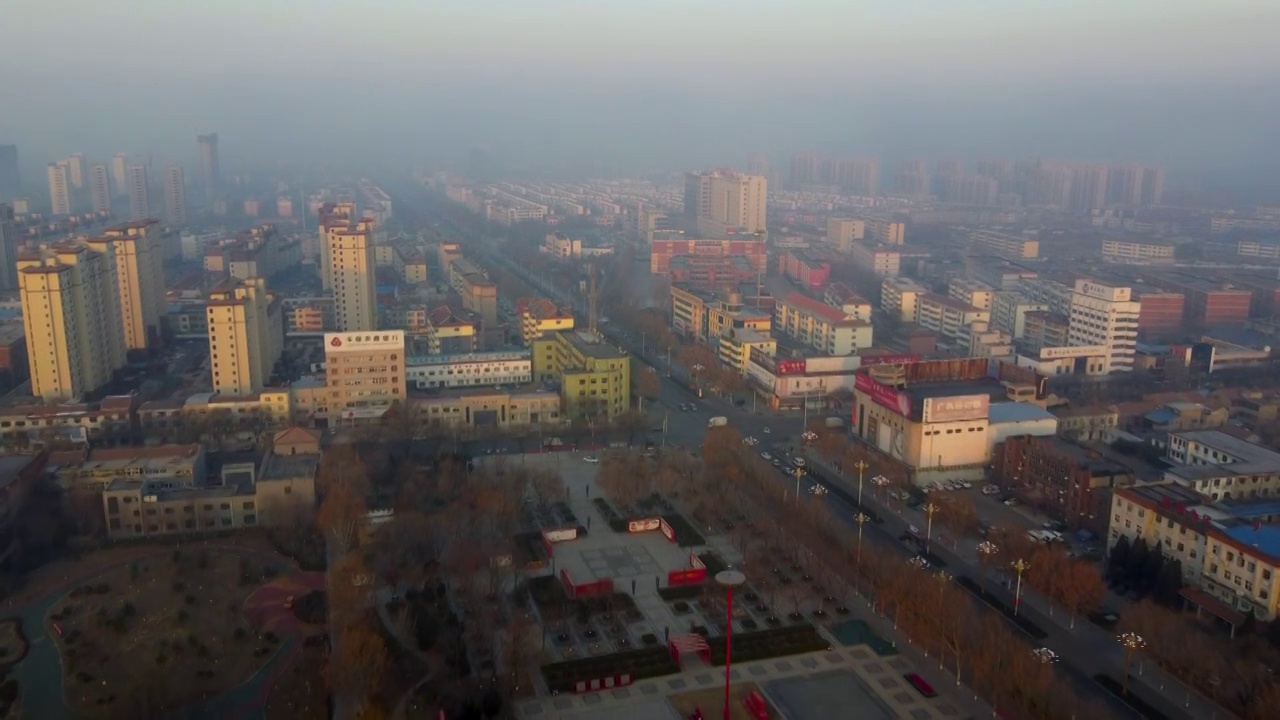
[(246, 335)]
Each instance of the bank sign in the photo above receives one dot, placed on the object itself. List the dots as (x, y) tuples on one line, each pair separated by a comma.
[(883, 395), (368, 340)]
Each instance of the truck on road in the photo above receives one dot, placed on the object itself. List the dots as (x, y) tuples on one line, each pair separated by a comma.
[(718, 421)]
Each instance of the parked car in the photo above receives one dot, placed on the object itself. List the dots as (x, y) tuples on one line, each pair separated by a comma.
[(591, 459)]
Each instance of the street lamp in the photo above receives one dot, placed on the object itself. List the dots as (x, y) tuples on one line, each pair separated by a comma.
[(862, 466), (1020, 566), (986, 549), (861, 518), (1132, 642), (799, 473), (929, 510), (880, 481), (728, 579)]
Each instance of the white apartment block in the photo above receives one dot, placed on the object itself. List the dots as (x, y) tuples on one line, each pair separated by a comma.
[(948, 317), (1102, 315), (246, 335), (826, 329), (900, 297), (1007, 245), (1009, 312), (883, 260), (972, 292)]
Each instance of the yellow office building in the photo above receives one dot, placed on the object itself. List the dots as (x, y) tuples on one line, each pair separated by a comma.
[(595, 377), (71, 316)]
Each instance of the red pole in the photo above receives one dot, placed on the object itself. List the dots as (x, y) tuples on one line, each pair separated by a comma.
[(728, 641)]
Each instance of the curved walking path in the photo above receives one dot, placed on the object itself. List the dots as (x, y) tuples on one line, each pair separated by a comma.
[(40, 673)]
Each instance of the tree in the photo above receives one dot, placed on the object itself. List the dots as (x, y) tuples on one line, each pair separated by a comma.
[(647, 384), (359, 662), (1137, 559), (341, 515), (1081, 590), (1118, 560), (1168, 584)]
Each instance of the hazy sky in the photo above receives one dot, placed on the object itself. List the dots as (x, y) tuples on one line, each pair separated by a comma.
[(654, 84)]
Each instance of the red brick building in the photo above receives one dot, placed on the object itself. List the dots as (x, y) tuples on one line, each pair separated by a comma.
[(805, 270), (1060, 478), (1161, 313)]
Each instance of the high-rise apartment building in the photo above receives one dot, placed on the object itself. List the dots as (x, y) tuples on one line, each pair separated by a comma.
[(99, 188), (724, 202), (1152, 185), (139, 192), (348, 264), (758, 164), (246, 335), (119, 175), (70, 314), (10, 180), (1106, 316), (59, 189), (175, 195), (804, 170), (139, 275), (210, 170), (8, 249), (1088, 188), (912, 179), (76, 170)]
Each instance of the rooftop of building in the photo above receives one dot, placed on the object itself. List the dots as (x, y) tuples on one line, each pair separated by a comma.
[(440, 394), (1010, 412), (484, 356), (949, 302), (12, 467), (1263, 536), (986, 386), (808, 305), (1242, 451), (750, 336), (592, 346), (276, 467), (1087, 458), (1195, 282), (846, 294)]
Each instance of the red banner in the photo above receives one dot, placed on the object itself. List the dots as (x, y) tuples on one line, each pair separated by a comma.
[(883, 394), (645, 525), (675, 578), (666, 529)]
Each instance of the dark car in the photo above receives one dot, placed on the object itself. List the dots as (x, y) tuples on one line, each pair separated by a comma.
[(1105, 618)]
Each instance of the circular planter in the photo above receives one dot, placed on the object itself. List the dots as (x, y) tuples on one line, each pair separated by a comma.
[(795, 616), (762, 608), (842, 610)]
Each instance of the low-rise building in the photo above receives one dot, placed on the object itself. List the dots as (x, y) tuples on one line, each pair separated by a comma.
[(594, 377), (948, 317), (539, 316), (900, 298), (1222, 466), (277, 490), (877, 260), (844, 298), (530, 406), (506, 367), (736, 346), (1059, 477)]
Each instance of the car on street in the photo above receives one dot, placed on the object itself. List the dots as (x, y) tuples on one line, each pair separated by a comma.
[(818, 490), (591, 459), (766, 430), (797, 461), (766, 456)]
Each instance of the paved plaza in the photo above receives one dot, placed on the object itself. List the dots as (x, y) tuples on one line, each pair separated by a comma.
[(852, 681)]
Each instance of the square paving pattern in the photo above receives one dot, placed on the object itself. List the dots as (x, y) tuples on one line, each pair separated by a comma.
[(619, 561), (822, 696)]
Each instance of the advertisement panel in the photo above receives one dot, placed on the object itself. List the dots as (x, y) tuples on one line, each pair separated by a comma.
[(764, 360), (883, 395), (644, 525), (561, 534), (955, 409), (676, 578), (791, 366), (1073, 351), (666, 529)]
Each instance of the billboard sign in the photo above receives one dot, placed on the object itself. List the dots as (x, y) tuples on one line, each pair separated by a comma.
[(666, 529), (898, 359), (883, 395), (955, 409), (791, 366), (764, 360), (645, 525), (561, 535), (364, 341)]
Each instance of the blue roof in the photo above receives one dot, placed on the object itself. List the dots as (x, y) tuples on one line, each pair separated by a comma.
[(1008, 412), (1249, 509), (1161, 416), (1266, 537)]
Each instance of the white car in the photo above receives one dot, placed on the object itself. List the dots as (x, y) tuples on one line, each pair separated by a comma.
[(966, 485), (766, 431), (591, 459), (766, 456), (798, 461), (817, 490)]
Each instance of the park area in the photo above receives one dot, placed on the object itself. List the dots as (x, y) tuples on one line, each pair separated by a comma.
[(162, 632)]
